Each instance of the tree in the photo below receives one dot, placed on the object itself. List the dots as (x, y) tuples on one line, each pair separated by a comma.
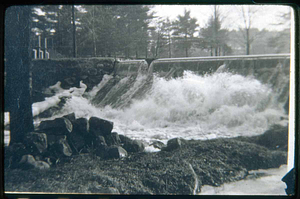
[(281, 41), (184, 29), (213, 37), (17, 62), (161, 38), (248, 14), (134, 24)]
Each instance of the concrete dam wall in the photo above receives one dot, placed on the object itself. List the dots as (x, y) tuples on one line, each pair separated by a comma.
[(127, 80)]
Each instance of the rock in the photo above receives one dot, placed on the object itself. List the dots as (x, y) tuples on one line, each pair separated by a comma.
[(275, 138), (101, 146), (116, 152), (76, 141), (81, 125), (64, 147), (13, 154), (52, 139), (58, 146), (173, 144), (132, 145), (113, 139), (36, 142), (58, 126), (71, 117), (124, 139), (28, 162), (158, 144), (42, 165), (101, 142), (99, 126)]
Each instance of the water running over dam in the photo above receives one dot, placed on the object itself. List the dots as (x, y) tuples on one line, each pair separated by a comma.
[(192, 98)]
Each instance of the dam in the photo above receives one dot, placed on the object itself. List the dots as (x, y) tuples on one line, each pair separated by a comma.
[(193, 98)]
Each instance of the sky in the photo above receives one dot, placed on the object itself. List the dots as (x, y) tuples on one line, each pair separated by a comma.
[(265, 17)]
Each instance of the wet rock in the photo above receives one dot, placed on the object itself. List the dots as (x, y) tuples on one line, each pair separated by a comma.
[(64, 147), (58, 126), (76, 141), (13, 154), (99, 126), (173, 144), (36, 142), (52, 139), (132, 145), (28, 162), (71, 117), (158, 144), (101, 146), (116, 152), (113, 139), (81, 125), (101, 142), (59, 147)]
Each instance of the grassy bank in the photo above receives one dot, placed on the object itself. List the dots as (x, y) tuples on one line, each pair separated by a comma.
[(181, 171)]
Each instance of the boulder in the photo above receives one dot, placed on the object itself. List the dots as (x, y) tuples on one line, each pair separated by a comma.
[(71, 117), (81, 125), (116, 152), (59, 147), (99, 126), (157, 144), (101, 146), (76, 141), (274, 138), (36, 142), (13, 154), (172, 144), (58, 126), (52, 139), (132, 145), (28, 162), (113, 139), (64, 147), (100, 142)]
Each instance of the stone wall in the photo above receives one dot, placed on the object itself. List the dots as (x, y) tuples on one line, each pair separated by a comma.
[(69, 72)]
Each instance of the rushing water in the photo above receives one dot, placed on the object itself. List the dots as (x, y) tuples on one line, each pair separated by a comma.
[(221, 104)]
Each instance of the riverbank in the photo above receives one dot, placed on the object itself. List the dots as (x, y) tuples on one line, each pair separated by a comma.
[(258, 182), (181, 170)]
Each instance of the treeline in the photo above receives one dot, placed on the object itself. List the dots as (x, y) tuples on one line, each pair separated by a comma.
[(133, 31)]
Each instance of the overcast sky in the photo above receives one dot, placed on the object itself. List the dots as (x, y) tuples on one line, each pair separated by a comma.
[(265, 17)]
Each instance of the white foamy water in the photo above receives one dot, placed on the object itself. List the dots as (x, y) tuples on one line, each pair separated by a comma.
[(192, 107)]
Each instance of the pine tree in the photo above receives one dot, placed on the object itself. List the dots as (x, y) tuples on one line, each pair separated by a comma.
[(184, 29), (213, 37)]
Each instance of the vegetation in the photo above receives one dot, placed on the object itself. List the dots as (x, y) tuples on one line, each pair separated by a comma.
[(181, 171), (133, 31)]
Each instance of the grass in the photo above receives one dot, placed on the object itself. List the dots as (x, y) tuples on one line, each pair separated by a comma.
[(214, 162)]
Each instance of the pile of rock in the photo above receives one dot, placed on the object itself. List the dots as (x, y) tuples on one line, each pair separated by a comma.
[(59, 139)]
